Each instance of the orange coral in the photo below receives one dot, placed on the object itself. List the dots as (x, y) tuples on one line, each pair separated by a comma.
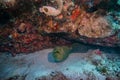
[(15, 35), (75, 14)]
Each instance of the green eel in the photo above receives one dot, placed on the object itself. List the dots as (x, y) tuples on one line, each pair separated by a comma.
[(61, 53)]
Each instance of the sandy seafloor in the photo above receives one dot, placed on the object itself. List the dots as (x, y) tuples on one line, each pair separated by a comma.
[(41, 63)]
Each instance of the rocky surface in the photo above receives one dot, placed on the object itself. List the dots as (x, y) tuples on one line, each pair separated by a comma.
[(22, 25)]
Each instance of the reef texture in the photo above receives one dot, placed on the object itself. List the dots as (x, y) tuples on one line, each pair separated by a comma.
[(31, 25)]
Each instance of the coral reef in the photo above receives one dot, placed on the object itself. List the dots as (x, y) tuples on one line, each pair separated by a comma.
[(101, 61), (7, 3), (112, 70), (93, 26), (25, 26), (51, 10), (114, 20)]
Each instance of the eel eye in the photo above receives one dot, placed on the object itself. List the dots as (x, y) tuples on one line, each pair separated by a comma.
[(46, 10)]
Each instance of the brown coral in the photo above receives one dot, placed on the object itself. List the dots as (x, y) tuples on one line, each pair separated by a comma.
[(93, 25)]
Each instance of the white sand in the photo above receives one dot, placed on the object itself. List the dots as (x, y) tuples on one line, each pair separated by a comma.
[(40, 64)]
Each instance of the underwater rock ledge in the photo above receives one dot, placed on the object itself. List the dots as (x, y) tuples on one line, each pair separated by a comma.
[(26, 29)]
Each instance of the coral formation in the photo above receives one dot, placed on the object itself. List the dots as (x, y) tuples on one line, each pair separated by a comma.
[(29, 27), (93, 26), (111, 70), (101, 61), (7, 3), (114, 20), (51, 11)]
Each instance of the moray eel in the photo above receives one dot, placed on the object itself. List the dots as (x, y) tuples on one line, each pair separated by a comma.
[(61, 53), (51, 11)]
